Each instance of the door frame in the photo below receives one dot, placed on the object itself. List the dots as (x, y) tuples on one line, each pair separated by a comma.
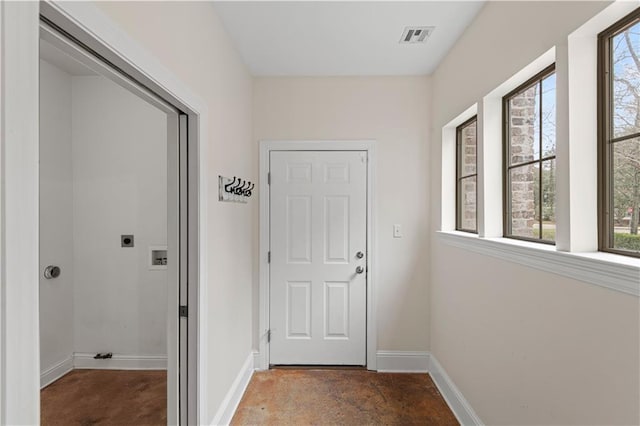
[(266, 147), (19, 229)]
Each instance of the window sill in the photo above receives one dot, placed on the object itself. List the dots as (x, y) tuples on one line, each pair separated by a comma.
[(615, 272)]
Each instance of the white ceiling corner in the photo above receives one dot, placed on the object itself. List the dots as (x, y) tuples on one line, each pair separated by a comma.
[(334, 38)]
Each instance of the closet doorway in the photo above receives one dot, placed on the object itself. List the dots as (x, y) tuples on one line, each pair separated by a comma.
[(113, 242)]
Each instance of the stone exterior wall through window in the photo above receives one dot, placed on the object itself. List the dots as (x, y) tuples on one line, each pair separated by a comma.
[(469, 185), (523, 120)]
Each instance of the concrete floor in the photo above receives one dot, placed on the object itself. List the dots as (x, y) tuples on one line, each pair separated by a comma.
[(106, 397), (341, 397), (274, 397)]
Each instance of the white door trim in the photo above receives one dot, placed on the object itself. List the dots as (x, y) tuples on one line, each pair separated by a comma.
[(19, 227), (19, 29), (266, 146)]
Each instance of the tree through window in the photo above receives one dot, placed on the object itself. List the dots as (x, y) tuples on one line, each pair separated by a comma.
[(619, 99)]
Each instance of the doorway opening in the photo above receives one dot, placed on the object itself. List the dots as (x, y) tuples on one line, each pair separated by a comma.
[(114, 243), (19, 346)]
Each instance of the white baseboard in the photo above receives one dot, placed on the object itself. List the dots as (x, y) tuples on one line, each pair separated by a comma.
[(402, 362), (52, 374), (256, 360), (450, 392), (120, 362), (234, 395)]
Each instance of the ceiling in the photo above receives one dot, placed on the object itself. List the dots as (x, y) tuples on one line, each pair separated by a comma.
[(330, 38)]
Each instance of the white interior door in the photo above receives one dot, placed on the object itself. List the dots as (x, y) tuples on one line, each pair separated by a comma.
[(318, 271)]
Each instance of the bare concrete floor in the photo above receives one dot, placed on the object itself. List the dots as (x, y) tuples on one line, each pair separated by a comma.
[(106, 397), (341, 397)]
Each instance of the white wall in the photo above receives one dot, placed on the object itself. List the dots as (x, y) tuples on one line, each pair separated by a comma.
[(56, 216), (393, 111), (524, 346), (119, 187), (189, 40)]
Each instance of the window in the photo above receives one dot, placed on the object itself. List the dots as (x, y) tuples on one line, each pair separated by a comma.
[(530, 159), (619, 136), (466, 176)]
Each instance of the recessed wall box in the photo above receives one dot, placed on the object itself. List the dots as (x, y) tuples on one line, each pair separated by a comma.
[(158, 257)]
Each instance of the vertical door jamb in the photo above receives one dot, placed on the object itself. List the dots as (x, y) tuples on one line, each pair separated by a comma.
[(173, 268), (19, 224), (192, 152), (183, 291)]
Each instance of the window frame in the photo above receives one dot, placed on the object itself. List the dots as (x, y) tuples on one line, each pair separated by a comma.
[(605, 135), (506, 156), (460, 178)]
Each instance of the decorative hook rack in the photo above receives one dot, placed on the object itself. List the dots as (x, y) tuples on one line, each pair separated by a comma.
[(234, 190)]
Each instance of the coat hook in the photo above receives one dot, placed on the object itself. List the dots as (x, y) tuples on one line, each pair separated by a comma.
[(226, 187), (248, 191), (238, 188)]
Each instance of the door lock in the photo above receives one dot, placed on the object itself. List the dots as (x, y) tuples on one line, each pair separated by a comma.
[(359, 270), (359, 255)]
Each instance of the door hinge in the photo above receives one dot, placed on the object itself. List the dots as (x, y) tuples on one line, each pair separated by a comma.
[(268, 257), (183, 311), (269, 178), (268, 336)]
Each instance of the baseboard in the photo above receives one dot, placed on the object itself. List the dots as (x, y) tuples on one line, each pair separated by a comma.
[(402, 362), (232, 398), (450, 392), (52, 374), (256, 360), (120, 362)]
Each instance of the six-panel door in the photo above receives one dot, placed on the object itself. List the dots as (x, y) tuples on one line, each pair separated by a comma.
[(318, 210)]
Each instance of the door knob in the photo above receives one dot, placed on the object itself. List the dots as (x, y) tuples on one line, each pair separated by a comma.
[(359, 270), (359, 255), (51, 271)]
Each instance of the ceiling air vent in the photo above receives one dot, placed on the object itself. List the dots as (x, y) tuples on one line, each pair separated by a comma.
[(416, 34)]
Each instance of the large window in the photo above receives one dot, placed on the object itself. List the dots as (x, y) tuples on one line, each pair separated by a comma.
[(466, 177), (619, 124), (530, 159)]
